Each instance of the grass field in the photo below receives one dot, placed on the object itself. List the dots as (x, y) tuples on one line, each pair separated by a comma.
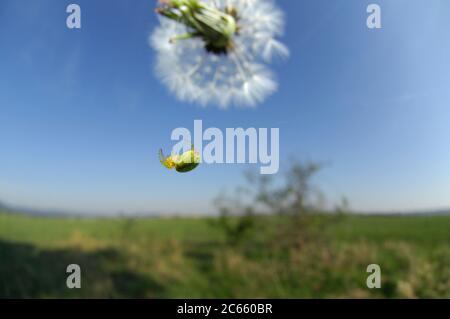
[(189, 258)]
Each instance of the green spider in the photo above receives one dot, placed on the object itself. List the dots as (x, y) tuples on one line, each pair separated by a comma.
[(183, 163)]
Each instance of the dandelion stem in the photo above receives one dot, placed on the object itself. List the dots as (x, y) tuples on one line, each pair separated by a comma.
[(214, 26)]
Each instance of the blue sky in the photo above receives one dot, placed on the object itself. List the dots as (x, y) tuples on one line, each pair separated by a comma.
[(82, 114)]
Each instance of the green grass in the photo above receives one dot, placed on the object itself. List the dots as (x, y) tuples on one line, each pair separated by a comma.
[(189, 258), (420, 230)]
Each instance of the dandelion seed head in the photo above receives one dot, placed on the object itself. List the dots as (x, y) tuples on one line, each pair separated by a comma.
[(241, 76)]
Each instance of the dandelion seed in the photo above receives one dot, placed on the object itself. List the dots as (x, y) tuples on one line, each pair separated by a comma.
[(217, 51)]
